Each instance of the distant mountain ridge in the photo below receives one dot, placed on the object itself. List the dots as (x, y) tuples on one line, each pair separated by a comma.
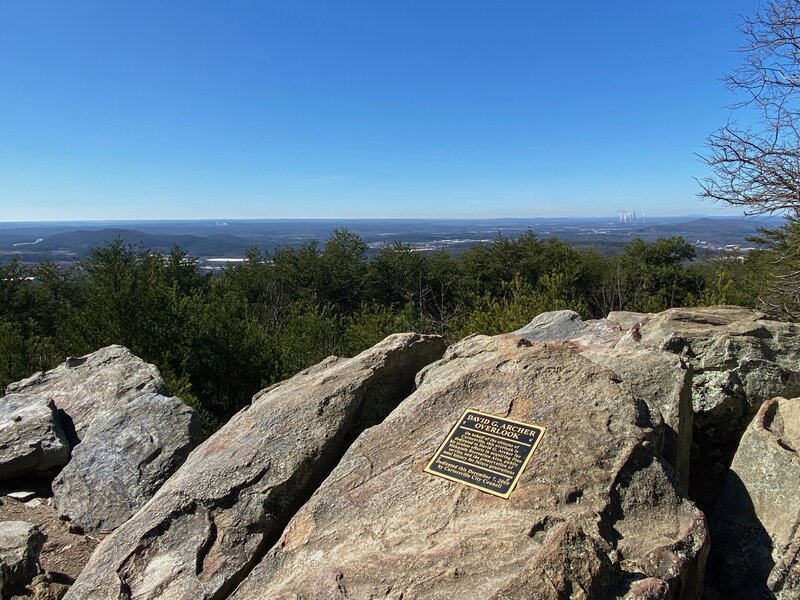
[(82, 241), (66, 242), (707, 225)]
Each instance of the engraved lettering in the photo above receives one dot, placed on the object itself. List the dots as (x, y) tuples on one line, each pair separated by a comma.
[(486, 452)]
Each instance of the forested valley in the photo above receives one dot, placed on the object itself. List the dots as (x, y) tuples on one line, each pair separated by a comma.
[(217, 339)]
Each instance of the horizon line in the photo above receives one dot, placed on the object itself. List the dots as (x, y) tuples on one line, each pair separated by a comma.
[(373, 219)]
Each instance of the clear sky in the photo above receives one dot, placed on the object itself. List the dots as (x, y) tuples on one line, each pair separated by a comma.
[(266, 109)]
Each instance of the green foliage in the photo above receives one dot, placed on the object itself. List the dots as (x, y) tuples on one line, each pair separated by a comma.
[(655, 275), (509, 311), (519, 303), (717, 292), (227, 354), (487, 268), (23, 354), (310, 332), (399, 276), (344, 267), (372, 323), (776, 269)]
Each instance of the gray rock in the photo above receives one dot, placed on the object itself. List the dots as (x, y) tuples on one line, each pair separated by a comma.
[(595, 508), (664, 382), (128, 452), (20, 544), (31, 439), (48, 586), (554, 325), (215, 518), (82, 387), (627, 319), (22, 495), (600, 333), (756, 524), (739, 359), (567, 326)]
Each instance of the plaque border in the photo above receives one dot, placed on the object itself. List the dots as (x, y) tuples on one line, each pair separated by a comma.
[(517, 477)]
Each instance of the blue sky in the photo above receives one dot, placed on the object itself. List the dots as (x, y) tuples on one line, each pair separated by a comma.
[(131, 110)]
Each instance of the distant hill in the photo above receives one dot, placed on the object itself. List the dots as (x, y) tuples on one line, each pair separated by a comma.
[(709, 226), (63, 243), (82, 241)]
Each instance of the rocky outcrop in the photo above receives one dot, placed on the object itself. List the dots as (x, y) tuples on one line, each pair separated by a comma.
[(599, 333), (20, 544), (318, 488), (48, 587), (739, 359), (663, 381), (82, 387), (31, 439), (756, 524), (659, 378), (627, 319), (595, 510), (128, 452), (127, 437), (214, 519), (567, 325), (554, 325)]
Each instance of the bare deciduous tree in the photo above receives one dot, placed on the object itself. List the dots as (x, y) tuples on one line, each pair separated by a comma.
[(757, 165)]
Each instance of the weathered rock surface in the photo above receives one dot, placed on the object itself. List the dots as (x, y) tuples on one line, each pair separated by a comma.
[(595, 510), (661, 379), (664, 382), (215, 518), (554, 325), (756, 524), (739, 359), (128, 452), (31, 439), (82, 387), (48, 587), (599, 333), (20, 544), (566, 325), (627, 319)]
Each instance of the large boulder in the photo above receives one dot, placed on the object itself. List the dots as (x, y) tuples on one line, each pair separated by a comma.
[(739, 359), (31, 439), (595, 510), (128, 452), (756, 524), (664, 382), (215, 518), (554, 325), (20, 544), (82, 387), (659, 378), (567, 325)]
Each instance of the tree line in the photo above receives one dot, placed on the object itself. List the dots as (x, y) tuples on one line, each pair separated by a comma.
[(217, 339)]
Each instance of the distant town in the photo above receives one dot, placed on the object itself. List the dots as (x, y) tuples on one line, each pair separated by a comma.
[(217, 243)]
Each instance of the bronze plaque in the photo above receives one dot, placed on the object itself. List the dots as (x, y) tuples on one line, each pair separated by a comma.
[(486, 452)]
